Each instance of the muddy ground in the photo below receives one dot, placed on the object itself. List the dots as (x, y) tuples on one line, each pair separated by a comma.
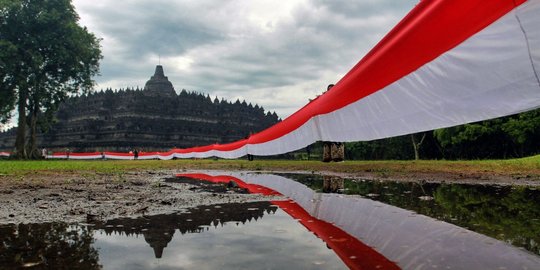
[(73, 197)]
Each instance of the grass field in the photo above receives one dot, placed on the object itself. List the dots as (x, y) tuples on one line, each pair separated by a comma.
[(525, 167)]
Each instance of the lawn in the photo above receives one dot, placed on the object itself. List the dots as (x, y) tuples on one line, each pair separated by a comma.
[(524, 167)]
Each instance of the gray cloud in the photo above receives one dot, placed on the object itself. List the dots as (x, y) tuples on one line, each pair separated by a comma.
[(276, 54), (364, 8)]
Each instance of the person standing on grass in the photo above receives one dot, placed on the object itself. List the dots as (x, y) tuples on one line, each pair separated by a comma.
[(333, 151), (327, 146)]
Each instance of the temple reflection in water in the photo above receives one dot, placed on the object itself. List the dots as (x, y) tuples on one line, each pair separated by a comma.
[(159, 230)]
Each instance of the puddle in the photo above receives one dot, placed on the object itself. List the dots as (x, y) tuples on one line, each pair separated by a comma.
[(327, 223), (410, 239), (227, 236), (507, 213)]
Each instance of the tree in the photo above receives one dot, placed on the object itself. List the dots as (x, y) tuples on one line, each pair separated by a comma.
[(510, 136), (476, 140), (524, 130), (416, 145), (7, 87), (50, 57)]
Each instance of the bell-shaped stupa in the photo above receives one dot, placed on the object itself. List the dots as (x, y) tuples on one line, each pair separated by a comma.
[(159, 84)]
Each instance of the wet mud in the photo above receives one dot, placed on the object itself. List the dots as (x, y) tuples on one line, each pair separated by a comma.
[(94, 198)]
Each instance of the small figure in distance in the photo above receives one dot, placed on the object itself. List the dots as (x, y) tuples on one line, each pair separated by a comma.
[(249, 156), (329, 87)]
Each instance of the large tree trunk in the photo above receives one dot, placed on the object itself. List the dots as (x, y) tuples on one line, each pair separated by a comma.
[(20, 141), (33, 151)]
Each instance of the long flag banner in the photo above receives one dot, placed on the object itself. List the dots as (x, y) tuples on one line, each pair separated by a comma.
[(447, 63)]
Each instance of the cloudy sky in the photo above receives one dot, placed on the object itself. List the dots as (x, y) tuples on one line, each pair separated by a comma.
[(277, 54)]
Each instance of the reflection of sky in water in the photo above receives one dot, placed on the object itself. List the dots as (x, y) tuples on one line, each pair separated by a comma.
[(276, 241)]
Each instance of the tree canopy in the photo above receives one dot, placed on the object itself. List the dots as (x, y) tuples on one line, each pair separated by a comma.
[(45, 55)]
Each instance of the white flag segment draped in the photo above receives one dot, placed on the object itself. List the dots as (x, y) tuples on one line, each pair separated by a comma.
[(489, 74), (448, 62)]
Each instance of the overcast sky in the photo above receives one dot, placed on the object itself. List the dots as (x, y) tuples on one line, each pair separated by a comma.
[(277, 54)]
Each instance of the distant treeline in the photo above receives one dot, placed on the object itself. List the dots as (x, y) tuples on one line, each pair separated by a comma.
[(507, 137)]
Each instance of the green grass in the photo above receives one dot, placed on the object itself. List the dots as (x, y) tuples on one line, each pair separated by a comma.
[(529, 166)]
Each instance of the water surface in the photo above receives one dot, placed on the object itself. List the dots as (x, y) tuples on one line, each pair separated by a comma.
[(229, 236), (507, 213), (330, 223)]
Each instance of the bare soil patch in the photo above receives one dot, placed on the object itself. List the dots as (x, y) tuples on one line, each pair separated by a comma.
[(89, 198)]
